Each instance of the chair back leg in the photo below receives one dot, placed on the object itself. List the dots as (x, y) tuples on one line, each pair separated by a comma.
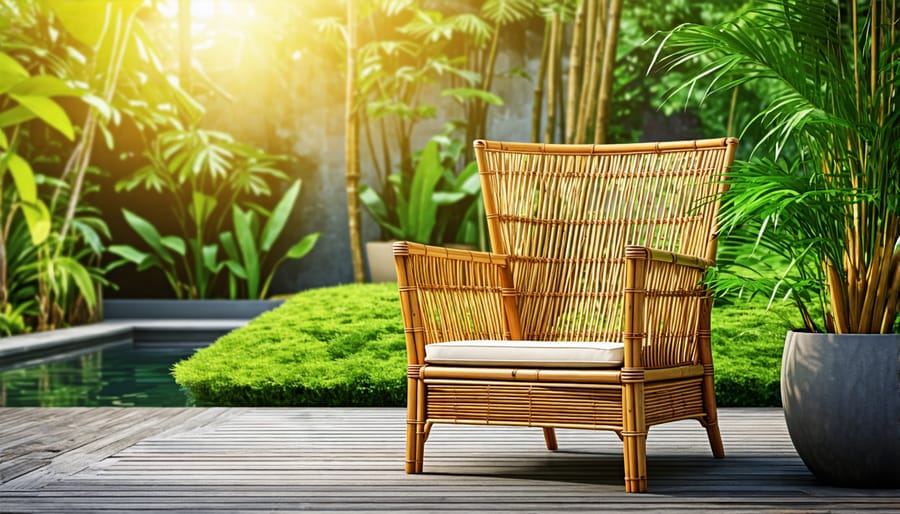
[(550, 438)]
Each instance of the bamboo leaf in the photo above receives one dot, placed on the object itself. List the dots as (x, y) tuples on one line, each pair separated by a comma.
[(10, 71), (466, 93), (15, 115), (48, 111), (37, 216)]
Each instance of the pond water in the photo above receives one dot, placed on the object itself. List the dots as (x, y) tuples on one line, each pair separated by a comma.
[(121, 375)]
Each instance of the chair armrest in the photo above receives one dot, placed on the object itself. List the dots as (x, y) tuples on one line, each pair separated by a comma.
[(665, 306), (447, 294), (656, 255)]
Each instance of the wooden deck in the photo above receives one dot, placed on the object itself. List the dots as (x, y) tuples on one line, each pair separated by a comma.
[(334, 460)]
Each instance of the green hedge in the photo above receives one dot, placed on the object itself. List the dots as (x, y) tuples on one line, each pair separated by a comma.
[(344, 346)]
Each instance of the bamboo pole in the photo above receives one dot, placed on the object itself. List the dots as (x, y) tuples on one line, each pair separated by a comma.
[(538, 97), (351, 148), (588, 101), (552, 72), (606, 77), (575, 76)]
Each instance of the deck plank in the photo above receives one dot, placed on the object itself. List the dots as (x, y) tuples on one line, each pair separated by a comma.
[(351, 460)]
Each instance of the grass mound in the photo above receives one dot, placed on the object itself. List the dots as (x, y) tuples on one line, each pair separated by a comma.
[(336, 346), (747, 341), (344, 346)]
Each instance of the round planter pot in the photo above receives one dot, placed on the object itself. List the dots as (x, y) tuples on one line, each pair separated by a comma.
[(841, 397), (380, 255)]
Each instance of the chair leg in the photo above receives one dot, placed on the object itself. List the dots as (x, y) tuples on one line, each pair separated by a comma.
[(550, 438), (711, 422), (635, 463), (715, 438), (634, 437), (421, 433), (412, 424)]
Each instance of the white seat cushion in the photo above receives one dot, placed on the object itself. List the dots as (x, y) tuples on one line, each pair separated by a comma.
[(538, 354)]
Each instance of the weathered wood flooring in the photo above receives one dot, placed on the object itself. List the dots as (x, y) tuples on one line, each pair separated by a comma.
[(334, 460)]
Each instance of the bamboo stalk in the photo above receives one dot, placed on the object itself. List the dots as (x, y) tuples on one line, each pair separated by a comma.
[(890, 310), (552, 72), (868, 304), (855, 290), (606, 77), (838, 298), (575, 66), (351, 148), (588, 99), (537, 101)]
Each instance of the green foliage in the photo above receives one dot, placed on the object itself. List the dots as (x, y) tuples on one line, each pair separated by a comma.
[(338, 346), (640, 91), (344, 345), (254, 244), (418, 201), (822, 190), (407, 50), (23, 98), (48, 277), (207, 178)]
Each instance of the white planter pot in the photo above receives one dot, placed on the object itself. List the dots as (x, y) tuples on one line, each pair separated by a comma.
[(841, 397), (380, 255)]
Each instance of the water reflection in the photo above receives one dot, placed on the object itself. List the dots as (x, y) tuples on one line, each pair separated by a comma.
[(119, 375)]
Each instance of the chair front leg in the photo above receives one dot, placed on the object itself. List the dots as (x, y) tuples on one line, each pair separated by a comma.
[(412, 425), (421, 431), (634, 436)]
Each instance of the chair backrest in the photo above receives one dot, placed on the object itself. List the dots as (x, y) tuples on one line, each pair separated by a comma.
[(565, 213)]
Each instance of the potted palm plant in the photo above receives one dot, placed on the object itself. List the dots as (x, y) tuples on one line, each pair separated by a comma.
[(822, 191)]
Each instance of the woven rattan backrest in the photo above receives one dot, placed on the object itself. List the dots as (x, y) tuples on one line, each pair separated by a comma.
[(565, 213)]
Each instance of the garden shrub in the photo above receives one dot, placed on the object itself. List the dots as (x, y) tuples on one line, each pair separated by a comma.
[(344, 346)]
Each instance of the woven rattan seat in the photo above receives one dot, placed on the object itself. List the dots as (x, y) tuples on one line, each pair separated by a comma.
[(590, 243)]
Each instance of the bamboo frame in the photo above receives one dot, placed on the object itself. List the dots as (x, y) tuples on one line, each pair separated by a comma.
[(591, 243)]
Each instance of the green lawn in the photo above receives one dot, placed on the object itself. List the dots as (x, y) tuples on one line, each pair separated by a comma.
[(344, 345)]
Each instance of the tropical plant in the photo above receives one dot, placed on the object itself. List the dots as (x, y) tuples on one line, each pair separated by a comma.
[(205, 175), (396, 52), (252, 242), (99, 52), (42, 278), (831, 210), (419, 199)]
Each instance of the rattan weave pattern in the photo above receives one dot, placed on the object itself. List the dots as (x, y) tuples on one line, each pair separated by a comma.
[(565, 219), (527, 404)]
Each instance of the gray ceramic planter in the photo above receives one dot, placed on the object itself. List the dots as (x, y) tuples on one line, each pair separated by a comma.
[(841, 396)]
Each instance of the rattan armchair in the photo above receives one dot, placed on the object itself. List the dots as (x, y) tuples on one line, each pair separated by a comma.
[(590, 313)]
